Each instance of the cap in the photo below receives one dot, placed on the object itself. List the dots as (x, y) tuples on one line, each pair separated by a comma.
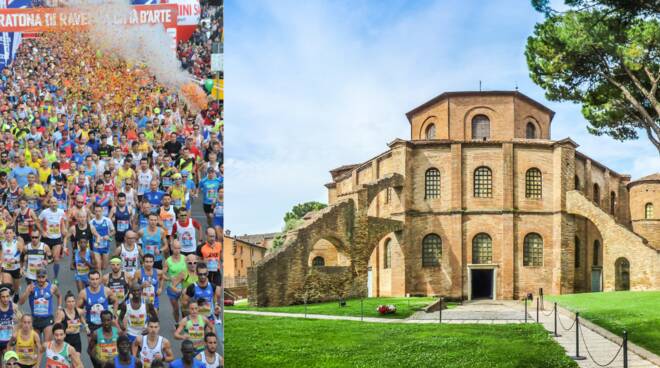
[(184, 172), (9, 355), (175, 176), (42, 272)]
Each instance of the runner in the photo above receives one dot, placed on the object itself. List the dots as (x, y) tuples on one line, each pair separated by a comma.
[(211, 252), (152, 346), (78, 231), (10, 316), (124, 358), (12, 251), (193, 327), (174, 270), (203, 289), (34, 193), (26, 220), (101, 198), (82, 259), (60, 195), (218, 212), (37, 256), (154, 240), (185, 230), (179, 192), (53, 219), (59, 354), (26, 343), (130, 254), (210, 356), (122, 216), (117, 280), (103, 230), (102, 348), (167, 215), (144, 176), (187, 359), (189, 278), (151, 280), (40, 295), (154, 196), (70, 318), (209, 187), (95, 299)]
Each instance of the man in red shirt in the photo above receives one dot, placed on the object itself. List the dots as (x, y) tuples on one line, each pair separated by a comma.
[(187, 231), (211, 253)]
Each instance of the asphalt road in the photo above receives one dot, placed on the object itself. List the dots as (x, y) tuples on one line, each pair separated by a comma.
[(66, 283)]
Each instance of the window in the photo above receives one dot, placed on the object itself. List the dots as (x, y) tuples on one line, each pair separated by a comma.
[(596, 252), (482, 249), (388, 195), (577, 252), (483, 182), (318, 261), (432, 183), (533, 183), (622, 274), (431, 250), (530, 131), (387, 254), (430, 131), (648, 211), (480, 127), (612, 202), (597, 194), (577, 182), (533, 250)]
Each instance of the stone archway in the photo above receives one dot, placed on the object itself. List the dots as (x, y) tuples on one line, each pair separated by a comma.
[(622, 274)]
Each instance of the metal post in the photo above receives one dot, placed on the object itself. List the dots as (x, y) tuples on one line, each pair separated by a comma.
[(361, 309), (541, 296), (625, 349), (577, 338), (556, 335), (537, 309), (440, 310), (305, 305), (525, 309)]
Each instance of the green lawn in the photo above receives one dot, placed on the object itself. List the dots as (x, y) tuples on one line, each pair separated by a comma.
[(638, 312), (259, 341), (405, 307)]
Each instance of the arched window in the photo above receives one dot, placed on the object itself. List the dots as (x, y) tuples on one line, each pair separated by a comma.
[(612, 202), (648, 211), (483, 182), (533, 250), (387, 254), (480, 127), (431, 250), (596, 253), (432, 183), (318, 261), (430, 131), (530, 131), (482, 249), (622, 274), (597, 194), (577, 252), (577, 182), (533, 183)]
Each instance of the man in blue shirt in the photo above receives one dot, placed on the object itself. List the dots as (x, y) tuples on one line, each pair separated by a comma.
[(154, 196), (187, 359), (21, 172), (209, 188)]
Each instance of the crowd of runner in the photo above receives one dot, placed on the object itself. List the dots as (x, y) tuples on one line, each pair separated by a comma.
[(99, 168), (195, 54)]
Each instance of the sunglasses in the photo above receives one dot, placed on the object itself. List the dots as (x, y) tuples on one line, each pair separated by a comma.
[(192, 263), (36, 237), (203, 274)]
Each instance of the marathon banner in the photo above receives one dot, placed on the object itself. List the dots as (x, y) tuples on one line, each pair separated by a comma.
[(188, 16), (59, 19)]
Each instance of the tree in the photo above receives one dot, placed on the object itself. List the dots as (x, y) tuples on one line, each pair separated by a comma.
[(606, 56), (294, 218)]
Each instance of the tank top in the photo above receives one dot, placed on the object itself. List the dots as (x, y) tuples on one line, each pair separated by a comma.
[(82, 268), (143, 181), (206, 294), (6, 323), (83, 234), (186, 235), (59, 359), (41, 301), (52, 221), (195, 330), (10, 255), (131, 260), (143, 220), (106, 349), (214, 364), (119, 286), (151, 242), (72, 325), (175, 268), (103, 200), (122, 219), (95, 304), (178, 196), (61, 199), (36, 259), (129, 365), (26, 349), (149, 293), (102, 227), (24, 222), (12, 199), (168, 217), (135, 319), (147, 353)]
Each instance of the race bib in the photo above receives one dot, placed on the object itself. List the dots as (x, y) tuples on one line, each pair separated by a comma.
[(213, 264), (41, 307), (122, 226), (211, 194), (53, 229), (5, 332), (95, 314), (33, 204), (34, 263), (149, 294), (82, 269), (137, 320), (23, 229), (119, 291)]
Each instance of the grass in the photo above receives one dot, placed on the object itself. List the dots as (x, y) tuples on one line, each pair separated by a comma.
[(405, 307), (260, 341), (637, 312)]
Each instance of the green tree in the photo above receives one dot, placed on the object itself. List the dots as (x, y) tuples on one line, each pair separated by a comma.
[(604, 55), (294, 218)]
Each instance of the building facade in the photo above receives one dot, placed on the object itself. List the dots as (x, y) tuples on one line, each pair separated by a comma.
[(238, 256), (482, 203)]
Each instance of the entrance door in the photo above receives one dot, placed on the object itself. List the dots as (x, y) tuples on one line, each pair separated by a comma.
[(482, 284), (369, 286), (595, 279)]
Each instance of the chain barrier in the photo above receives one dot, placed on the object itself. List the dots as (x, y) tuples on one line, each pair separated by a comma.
[(562, 324), (549, 314), (584, 342)]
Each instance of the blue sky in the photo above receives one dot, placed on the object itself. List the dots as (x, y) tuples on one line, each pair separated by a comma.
[(314, 85)]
